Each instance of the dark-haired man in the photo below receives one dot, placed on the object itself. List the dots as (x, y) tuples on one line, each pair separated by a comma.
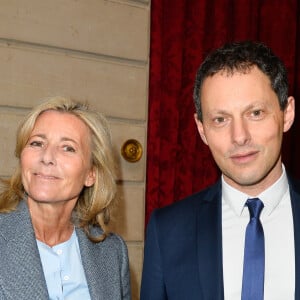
[(238, 238)]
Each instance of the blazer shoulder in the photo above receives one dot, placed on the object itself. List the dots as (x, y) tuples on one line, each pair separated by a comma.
[(116, 242), (113, 245)]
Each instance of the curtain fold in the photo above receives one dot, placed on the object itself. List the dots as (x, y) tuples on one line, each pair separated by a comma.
[(182, 33)]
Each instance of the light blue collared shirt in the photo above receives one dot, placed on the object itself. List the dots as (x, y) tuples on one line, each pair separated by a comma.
[(63, 270)]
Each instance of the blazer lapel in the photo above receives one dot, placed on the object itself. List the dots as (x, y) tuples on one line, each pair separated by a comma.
[(210, 246), (21, 273), (91, 264)]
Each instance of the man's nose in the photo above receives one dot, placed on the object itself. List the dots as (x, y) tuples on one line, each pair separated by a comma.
[(240, 131)]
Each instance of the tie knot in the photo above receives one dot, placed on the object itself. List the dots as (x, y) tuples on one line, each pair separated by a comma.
[(255, 207)]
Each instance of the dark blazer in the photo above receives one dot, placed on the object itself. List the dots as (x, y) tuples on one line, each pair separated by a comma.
[(21, 274), (183, 248)]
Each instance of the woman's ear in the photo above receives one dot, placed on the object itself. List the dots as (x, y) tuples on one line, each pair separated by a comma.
[(91, 177)]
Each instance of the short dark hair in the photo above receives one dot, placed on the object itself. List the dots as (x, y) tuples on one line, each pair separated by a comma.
[(241, 57)]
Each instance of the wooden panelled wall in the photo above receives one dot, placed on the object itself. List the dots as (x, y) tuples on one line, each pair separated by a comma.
[(90, 50)]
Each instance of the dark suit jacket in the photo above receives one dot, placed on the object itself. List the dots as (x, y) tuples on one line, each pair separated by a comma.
[(21, 274), (183, 248)]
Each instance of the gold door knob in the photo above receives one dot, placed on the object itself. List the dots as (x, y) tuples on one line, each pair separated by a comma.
[(132, 150)]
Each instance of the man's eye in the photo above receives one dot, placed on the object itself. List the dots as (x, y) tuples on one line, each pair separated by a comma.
[(219, 120), (257, 113)]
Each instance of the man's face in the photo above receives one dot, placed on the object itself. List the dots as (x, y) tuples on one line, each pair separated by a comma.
[(243, 127)]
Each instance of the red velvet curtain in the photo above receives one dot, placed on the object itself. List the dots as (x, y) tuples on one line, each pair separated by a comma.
[(182, 33)]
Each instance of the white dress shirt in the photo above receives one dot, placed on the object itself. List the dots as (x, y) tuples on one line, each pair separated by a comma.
[(277, 221)]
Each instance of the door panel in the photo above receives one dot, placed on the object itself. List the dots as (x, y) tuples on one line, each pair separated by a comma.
[(29, 74), (112, 28)]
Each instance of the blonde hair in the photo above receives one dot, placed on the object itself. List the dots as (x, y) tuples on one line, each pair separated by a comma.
[(95, 202)]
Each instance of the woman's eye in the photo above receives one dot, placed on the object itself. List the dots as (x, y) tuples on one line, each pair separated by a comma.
[(36, 144), (69, 149)]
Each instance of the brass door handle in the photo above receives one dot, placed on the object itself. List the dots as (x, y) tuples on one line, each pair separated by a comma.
[(132, 150)]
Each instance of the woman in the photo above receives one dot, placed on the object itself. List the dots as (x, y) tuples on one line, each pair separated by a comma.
[(55, 208)]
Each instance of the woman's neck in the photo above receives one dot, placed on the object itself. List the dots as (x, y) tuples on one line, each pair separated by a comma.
[(51, 222)]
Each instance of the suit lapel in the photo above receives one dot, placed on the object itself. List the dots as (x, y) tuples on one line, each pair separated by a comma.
[(210, 246), (295, 199)]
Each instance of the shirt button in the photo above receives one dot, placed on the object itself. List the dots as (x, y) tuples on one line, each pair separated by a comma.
[(66, 277), (59, 251)]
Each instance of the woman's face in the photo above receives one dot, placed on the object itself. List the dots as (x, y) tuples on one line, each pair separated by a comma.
[(56, 161)]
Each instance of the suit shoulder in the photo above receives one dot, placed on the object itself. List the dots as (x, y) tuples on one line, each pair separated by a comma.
[(294, 184), (190, 204)]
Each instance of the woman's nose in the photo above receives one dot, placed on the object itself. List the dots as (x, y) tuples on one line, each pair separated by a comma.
[(49, 155)]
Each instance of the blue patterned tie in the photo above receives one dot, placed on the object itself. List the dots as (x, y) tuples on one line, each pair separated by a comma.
[(254, 255)]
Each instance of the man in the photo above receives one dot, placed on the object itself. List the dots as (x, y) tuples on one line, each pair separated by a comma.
[(200, 248)]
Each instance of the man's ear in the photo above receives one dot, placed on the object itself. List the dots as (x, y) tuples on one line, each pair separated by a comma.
[(289, 114), (200, 129)]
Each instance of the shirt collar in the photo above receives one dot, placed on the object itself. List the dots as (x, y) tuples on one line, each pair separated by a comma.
[(271, 197)]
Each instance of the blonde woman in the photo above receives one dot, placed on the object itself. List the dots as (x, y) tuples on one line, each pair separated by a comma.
[(55, 208)]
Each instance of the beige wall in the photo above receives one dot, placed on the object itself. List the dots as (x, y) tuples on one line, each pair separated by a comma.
[(94, 50)]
